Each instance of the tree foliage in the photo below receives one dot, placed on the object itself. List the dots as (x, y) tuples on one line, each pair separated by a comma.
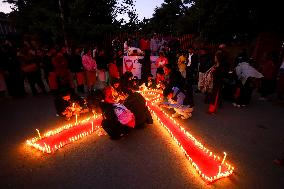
[(76, 20), (87, 20), (217, 19)]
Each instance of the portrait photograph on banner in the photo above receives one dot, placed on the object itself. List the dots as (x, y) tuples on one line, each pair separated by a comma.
[(131, 64)]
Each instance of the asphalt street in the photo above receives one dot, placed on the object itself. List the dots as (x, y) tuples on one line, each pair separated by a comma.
[(146, 158)]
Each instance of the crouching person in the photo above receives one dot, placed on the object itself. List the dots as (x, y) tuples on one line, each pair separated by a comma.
[(117, 119), (136, 103), (177, 100), (68, 104)]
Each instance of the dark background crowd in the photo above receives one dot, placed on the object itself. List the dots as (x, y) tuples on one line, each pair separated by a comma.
[(26, 68)]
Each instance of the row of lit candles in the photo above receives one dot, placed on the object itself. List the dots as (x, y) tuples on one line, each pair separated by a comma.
[(48, 149), (157, 98), (151, 105)]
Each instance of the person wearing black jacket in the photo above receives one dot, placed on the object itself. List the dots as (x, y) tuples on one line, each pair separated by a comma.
[(136, 103), (175, 79), (111, 122), (76, 67)]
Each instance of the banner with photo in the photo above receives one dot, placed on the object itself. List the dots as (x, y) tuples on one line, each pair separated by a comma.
[(131, 63)]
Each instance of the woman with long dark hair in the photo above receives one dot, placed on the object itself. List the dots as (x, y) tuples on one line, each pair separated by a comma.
[(218, 73)]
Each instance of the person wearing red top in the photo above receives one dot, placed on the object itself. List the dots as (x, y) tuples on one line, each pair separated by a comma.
[(144, 44), (90, 66), (62, 71), (113, 70), (161, 61)]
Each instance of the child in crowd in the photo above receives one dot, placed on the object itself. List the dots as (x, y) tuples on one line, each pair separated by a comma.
[(178, 101)]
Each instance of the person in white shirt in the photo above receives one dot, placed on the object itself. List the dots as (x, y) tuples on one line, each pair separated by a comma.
[(246, 75)]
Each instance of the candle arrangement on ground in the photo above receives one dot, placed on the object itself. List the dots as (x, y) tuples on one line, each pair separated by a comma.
[(209, 166), (57, 138)]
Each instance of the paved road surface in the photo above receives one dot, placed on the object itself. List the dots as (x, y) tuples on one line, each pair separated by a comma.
[(147, 158)]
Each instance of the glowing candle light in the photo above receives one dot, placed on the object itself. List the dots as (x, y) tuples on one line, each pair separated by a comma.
[(190, 145), (225, 155), (209, 168), (38, 133)]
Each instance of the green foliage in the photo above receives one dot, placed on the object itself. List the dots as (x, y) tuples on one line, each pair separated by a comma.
[(75, 20), (217, 20), (88, 20)]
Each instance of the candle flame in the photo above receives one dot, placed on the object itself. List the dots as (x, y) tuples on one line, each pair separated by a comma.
[(38, 133)]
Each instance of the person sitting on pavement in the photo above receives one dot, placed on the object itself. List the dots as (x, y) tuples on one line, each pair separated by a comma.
[(177, 100)]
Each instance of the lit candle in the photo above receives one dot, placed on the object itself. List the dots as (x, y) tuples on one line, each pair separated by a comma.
[(38, 133), (225, 155), (76, 118), (92, 126), (219, 170)]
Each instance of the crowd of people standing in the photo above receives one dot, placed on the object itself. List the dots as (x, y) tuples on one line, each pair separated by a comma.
[(84, 70)]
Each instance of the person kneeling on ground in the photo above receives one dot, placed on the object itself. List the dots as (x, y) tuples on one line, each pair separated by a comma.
[(178, 101), (117, 119), (136, 103), (68, 104)]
